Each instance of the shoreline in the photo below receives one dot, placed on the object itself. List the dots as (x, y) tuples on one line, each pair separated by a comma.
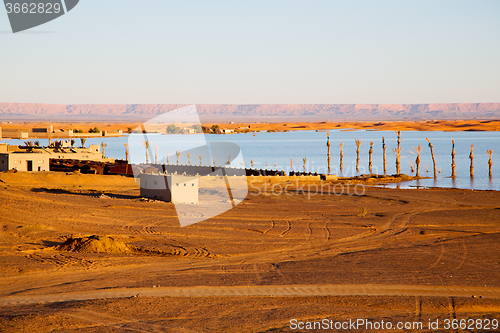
[(427, 125)]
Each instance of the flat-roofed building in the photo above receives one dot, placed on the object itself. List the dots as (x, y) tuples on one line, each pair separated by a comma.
[(24, 161), (170, 187)]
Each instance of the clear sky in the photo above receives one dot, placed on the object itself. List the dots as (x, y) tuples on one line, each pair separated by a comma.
[(257, 51)]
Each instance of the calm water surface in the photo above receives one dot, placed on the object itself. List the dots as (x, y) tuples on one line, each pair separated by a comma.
[(275, 150)]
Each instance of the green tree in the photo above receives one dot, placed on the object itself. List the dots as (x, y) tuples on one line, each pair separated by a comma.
[(172, 129), (197, 128), (215, 129)]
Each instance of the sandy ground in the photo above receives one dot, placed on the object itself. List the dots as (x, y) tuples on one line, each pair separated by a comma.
[(427, 125), (392, 255)]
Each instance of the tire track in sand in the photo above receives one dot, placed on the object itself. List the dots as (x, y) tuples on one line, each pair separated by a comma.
[(267, 290)]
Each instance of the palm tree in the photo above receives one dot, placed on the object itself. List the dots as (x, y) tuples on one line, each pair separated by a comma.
[(178, 154), (229, 160), (72, 142), (189, 157), (103, 145), (252, 163), (201, 158), (291, 163), (358, 145), (305, 161), (146, 144), (156, 154), (83, 142)]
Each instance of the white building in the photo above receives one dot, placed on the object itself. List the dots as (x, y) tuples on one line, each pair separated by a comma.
[(170, 188), (23, 161)]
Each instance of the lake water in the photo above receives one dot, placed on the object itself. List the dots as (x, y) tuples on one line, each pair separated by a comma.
[(275, 150)]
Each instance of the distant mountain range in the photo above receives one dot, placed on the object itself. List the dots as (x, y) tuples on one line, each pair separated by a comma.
[(252, 112)]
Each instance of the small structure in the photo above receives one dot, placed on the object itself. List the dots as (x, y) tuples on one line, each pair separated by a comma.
[(227, 131), (15, 133), (170, 187), (46, 130), (24, 161), (188, 130)]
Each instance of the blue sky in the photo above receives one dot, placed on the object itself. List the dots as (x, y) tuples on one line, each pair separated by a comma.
[(246, 52)]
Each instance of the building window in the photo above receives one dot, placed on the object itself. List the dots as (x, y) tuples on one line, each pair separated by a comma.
[(156, 183)]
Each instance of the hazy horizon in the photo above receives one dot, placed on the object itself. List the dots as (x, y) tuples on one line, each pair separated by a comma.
[(258, 52)]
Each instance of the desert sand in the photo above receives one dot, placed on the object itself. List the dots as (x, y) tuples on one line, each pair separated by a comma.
[(427, 125), (85, 253)]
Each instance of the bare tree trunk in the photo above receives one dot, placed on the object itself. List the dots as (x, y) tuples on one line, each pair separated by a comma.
[(398, 154), (358, 145), (433, 159), (471, 156), (341, 157), (417, 160), (156, 154), (385, 161), (453, 173), (126, 151), (490, 162), (328, 145), (370, 152)]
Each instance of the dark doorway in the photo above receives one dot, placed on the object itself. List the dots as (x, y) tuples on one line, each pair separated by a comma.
[(29, 165)]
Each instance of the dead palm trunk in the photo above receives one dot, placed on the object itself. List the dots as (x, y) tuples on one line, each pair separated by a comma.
[(156, 154), (370, 152), (453, 173), (305, 161), (126, 151), (146, 144), (433, 159), (189, 157), (341, 157), (358, 145), (328, 145), (417, 160), (385, 161), (490, 162), (398, 154), (104, 145), (201, 158), (178, 154), (471, 156), (397, 151)]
